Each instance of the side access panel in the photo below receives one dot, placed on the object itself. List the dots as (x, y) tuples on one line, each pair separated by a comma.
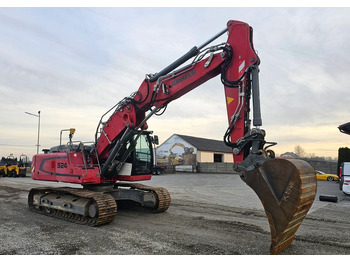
[(64, 167)]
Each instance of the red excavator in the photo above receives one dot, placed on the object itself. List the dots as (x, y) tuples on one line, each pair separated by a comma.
[(122, 152)]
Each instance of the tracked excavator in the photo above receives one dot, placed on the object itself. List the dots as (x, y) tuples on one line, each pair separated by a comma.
[(110, 168)]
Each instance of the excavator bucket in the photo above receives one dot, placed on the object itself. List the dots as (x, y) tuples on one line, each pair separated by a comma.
[(287, 189)]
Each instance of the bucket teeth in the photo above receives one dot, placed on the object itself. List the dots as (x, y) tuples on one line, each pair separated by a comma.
[(287, 189)]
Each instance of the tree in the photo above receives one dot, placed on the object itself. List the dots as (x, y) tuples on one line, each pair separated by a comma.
[(343, 156), (298, 150)]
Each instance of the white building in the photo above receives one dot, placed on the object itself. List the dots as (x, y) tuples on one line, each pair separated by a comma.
[(182, 150)]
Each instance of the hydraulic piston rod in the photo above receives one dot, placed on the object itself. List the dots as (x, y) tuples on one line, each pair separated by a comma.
[(192, 53)]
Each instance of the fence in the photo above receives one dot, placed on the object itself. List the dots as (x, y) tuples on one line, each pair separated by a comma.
[(329, 167), (223, 168), (227, 168), (220, 168)]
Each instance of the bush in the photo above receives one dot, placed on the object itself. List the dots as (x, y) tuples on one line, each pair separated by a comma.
[(343, 156)]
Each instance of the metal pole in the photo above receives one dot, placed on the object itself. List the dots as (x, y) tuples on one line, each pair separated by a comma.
[(37, 149), (38, 115)]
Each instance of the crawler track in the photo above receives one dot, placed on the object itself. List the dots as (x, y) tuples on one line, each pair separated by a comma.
[(105, 212), (162, 195), (104, 205)]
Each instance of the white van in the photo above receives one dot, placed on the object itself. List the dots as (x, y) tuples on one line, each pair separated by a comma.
[(345, 177)]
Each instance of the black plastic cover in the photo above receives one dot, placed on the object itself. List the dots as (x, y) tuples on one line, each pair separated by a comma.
[(345, 128)]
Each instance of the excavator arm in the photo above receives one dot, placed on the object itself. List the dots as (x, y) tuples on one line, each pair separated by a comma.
[(285, 187), (237, 63)]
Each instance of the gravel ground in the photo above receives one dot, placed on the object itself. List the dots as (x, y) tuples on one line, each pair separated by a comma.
[(210, 214)]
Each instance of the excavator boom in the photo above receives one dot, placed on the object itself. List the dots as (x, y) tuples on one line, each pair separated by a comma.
[(285, 187)]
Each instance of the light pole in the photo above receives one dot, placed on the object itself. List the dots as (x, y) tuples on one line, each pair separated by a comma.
[(38, 115)]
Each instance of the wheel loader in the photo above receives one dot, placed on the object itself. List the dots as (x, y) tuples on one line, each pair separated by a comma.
[(11, 163)]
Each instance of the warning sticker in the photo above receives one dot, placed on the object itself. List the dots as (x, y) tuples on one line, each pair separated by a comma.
[(229, 100)]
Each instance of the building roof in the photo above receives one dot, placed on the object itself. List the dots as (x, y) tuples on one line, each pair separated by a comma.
[(289, 155), (204, 144)]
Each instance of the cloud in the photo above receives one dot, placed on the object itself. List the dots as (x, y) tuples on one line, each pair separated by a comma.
[(73, 64)]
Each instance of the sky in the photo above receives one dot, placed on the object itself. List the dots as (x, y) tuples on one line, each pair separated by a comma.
[(74, 63)]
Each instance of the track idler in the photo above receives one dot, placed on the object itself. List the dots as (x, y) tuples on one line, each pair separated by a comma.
[(286, 188)]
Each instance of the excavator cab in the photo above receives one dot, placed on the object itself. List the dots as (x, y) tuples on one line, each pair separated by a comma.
[(136, 158), (143, 160)]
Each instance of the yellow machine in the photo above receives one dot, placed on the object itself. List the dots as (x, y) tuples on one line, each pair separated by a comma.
[(11, 165), (3, 169), (22, 165)]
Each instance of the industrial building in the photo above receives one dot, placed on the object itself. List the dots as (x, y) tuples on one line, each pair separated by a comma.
[(186, 153)]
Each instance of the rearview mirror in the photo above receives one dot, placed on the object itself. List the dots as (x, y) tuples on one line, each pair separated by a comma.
[(155, 140)]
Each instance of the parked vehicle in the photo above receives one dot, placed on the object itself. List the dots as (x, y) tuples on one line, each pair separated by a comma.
[(11, 166), (3, 168), (344, 183), (344, 171), (323, 176), (22, 165)]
